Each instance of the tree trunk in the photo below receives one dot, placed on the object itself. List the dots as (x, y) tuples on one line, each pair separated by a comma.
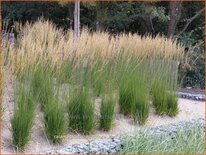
[(77, 20), (175, 8)]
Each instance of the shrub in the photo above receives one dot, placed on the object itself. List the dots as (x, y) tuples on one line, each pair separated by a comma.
[(107, 113), (54, 120), (81, 112), (22, 120)]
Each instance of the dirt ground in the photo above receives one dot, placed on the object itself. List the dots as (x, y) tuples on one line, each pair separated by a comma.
[(188, 109)]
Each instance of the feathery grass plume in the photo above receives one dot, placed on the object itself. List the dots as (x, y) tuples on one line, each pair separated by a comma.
[(107, 113), (54, 120), (22, 120), (81, 112), (52, 42)]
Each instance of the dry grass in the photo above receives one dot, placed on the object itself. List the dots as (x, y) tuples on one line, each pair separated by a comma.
[(42, 40)]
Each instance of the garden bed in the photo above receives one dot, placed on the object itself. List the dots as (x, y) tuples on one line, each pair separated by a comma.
[(188, 110), (63, 92)]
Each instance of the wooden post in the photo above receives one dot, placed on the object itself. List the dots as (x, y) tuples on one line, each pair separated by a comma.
[(77, 20)]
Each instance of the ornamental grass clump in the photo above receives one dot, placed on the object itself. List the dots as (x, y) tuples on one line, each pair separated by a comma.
[(127, 85), (164, 86), (107, 113), (54, 120), (159, 97), (22, 120), (81, 112), (140, 109), (172, 104)]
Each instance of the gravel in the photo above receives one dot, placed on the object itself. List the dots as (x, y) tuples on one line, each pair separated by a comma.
[(196, 97), (113, 145)]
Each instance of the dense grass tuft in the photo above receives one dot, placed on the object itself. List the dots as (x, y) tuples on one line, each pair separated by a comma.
[(126, 96), (107, 113), (140, 109), (172, 104), (81, 112), (22, 120), (159, 97), (55, 121)]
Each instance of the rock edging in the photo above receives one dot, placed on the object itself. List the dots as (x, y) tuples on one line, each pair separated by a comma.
[(113, 145), (196, 97)]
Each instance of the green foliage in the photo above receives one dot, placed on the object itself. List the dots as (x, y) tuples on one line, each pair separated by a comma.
[(42, 84), (81, 112), (22, 120), (140, 109), (98, 78), (126, 96), (187, 141), (65, 71), (54, 120), (31, 11), (172, 105), (159, 97), (192, 68), (107, 113), (163, 87), (133, 92), (164, 102)]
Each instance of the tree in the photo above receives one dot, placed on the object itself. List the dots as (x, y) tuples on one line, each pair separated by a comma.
[(175, 8)]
